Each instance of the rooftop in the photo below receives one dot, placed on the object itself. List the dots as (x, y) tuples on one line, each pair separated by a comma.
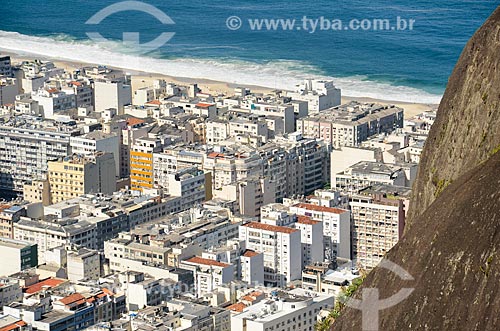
[(323, 209), (268, 227), (200, 260), (47, 283)]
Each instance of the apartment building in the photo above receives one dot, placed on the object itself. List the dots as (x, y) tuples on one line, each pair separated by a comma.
[(5, 66), (311, 232), (147, 94), (283, 311), (9, 89), (227, 166), (112, 93), (10, 291), (318, 94), (250, 194), (26, 147), (36, 73), (97, 141), (83, 92), (83, 264), (8, 216), (201, 317), (21, 255), (365, 173), (307, 164), (267, 109), (141, 162), (26, 106), (351, 124), (192, 185), (281, 248), (52, 101), (76, 175), (216, 131), (346, 157), (49, 232), (252, 267), (336, 228), (378, 215), (208, 274)]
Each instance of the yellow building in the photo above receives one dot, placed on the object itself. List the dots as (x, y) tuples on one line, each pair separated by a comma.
[(75, 175), (141, 163)]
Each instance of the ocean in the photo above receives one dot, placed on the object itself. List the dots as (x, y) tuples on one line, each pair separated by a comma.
[(410, 65)]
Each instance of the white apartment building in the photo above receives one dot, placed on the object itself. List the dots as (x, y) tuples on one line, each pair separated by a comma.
[(26, 106), (97, 141), (83, 264), (83, 92), (346, 157), (319, 94), (269, 109), (21, 255), (52, 101), (281, 248), (364, 174), (50, 232), (284, 311), (112, 94), (242, 126), (147, 94), (311, 233), (250, 194), (10, 291), (336, 228), (208, 274), (378, 223), (216, 131), (252, 267), (226, 168), (26, 148), (191, 185)]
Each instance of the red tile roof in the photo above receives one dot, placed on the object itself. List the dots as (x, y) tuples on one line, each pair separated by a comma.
[(204, 105), (108, 292), (256, 293), (249, 298), (201, 260), (312, 207), (250, 253), (13, 326), (134, 121), (268, 227), (239, 306), (214, 155), (73, 298), (306, 220), (154, 102), (50, 282)]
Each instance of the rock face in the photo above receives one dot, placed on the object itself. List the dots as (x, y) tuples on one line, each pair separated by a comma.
[(452, 244), (453, 254), (467, 127)]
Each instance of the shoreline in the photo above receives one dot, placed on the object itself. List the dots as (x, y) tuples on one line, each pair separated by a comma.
[(142, 79)]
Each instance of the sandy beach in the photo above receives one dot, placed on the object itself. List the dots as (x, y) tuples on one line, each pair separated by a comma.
[(143, 79)]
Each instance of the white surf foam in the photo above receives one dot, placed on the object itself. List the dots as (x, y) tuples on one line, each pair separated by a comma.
[(274, 74)]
